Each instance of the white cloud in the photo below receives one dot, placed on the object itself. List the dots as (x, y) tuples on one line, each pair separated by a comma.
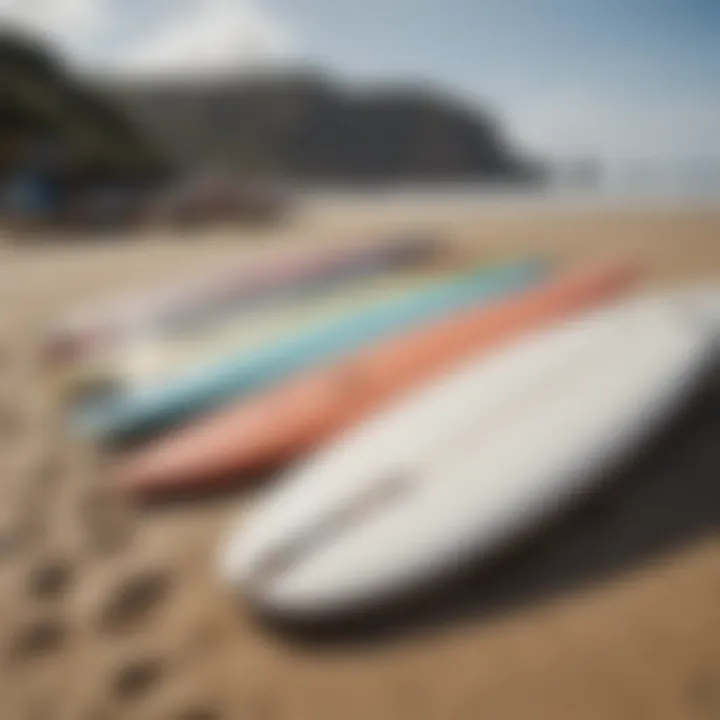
[(48, 15), (70, 24), (189, 37), (209, 36)]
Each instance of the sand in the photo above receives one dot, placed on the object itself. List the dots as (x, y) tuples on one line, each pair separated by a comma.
[(109, 611)]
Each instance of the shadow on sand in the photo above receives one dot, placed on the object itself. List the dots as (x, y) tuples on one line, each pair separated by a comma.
[(660, 500)]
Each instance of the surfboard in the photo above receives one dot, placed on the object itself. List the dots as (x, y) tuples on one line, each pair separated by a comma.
[(189, 304), (278, 425), (152, 359), (218, 383), (470, 462)]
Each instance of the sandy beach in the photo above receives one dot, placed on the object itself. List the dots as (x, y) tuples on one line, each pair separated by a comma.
[(112, 612)]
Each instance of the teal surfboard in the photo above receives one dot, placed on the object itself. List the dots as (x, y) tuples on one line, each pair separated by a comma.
[(212, 385)]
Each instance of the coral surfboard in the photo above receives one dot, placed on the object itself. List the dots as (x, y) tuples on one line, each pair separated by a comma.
[(296, 417)]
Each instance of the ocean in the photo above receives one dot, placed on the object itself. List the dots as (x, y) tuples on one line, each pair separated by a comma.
[(629, 184)]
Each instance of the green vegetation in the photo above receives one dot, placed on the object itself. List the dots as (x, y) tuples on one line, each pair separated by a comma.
[(39, 102)]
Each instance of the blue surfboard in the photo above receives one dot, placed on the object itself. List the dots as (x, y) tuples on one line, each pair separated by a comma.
[(212, 385)]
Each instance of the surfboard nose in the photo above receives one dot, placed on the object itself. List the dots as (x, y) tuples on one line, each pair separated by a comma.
[(291, 564), (286, 581), (272, 577), (251, 560)]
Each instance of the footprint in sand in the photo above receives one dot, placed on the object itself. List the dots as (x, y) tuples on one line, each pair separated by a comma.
[(136, 679), (36, 639), (50, 579), (702, 693), (131, 602)]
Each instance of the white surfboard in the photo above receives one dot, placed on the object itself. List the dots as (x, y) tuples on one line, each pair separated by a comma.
[(468, 463)]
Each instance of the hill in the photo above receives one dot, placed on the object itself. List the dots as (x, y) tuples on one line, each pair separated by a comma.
[(305, 127), (42, 106), (295, 126)]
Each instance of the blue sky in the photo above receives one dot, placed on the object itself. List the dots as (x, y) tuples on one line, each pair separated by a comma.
[(622, 76), (618, 78)]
